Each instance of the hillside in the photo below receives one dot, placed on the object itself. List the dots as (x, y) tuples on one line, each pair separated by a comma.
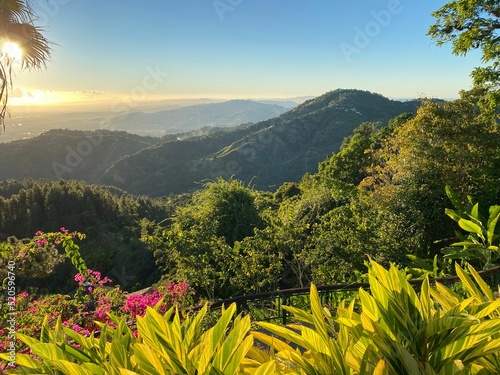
[(267, 153), (68, 154), (181, 120)]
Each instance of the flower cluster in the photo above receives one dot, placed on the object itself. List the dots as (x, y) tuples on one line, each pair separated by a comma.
[(93, 278), (137, 304), (172, 294), (83, 312)]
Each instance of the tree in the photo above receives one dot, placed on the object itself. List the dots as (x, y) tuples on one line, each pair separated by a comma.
[(468, 25), (18, 35), (199, 246), (447, 143), (350, 163)]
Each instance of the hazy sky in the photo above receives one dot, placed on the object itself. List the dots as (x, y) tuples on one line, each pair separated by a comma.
[(148, 49)]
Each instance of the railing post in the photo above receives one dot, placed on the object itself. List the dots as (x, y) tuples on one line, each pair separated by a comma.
[(283, 311)]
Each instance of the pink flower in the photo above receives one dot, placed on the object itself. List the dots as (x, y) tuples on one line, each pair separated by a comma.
[(38, 233), (41, 242), (80, 279), (76, 328)]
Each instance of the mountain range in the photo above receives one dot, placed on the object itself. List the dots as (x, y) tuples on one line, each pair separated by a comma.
[(265, 154), (185, 119)]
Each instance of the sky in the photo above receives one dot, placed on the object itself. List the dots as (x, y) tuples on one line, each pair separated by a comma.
[(144, 50)]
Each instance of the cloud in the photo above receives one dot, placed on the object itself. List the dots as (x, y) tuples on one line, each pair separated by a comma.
[(17, 92), (92, 94)]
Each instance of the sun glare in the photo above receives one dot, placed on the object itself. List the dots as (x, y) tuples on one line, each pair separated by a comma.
[(12, 51)]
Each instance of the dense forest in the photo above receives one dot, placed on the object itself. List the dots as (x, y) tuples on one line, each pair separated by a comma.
[(110, 218), (382, 196)]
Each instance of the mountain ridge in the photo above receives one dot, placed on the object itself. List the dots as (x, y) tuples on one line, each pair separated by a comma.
[(185, 119), (266, 153)]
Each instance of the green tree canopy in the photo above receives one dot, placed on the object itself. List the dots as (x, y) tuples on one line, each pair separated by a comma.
[(447, 143), (469, 25)]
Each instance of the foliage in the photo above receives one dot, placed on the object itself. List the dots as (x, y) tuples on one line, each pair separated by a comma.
[(394, 330), (38, 255), (161, 345), (88, 311), (256, 266), (469, 25), (482, 240), (350, 164), (204, 239), (390, 330), (339, 245), (451, 143), (111, 218), (17, 20)]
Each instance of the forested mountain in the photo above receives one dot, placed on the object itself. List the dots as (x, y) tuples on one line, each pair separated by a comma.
[(68, 154), (186, 119), (267, 153)]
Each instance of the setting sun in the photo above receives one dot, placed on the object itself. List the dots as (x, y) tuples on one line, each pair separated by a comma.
[(12, 51)]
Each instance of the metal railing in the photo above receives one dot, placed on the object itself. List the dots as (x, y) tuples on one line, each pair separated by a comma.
[(275, 300)]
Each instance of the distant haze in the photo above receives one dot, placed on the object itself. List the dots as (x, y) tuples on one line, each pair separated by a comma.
[(26, 122)]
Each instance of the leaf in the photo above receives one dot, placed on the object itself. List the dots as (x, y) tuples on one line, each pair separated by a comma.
[(285, 333), (471, 227), (479, 280), (24, 361), (93, 368), (231, 346), (267, 368), (463, 244), (467, 282), (317, 313), (67, 367), (238, 355), (381, 368), (454, 199), (148, 360), (48, 352), (127, 372), (271, 341), (492, 223), (213, 338), (452, 214), (475, 211)]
